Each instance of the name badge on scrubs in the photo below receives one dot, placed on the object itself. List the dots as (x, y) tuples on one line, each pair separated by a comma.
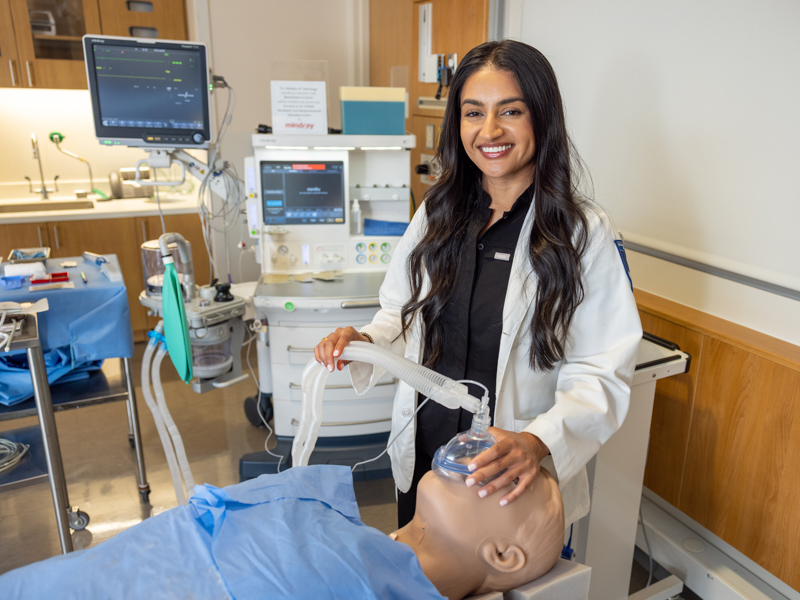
[(502, 256)]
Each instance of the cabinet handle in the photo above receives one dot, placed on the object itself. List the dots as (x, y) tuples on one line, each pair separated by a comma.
[(295, 423), (343, 386), (39, 231), (55, 231), (28, 67), (11, 68), (144, 232)]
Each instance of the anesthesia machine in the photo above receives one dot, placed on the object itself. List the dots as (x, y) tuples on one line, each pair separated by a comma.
[(326, 213)]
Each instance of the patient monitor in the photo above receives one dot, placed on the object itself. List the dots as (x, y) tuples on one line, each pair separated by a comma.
[(469, 545)]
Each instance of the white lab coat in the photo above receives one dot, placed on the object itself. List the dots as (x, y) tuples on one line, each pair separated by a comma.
[(575, 407)]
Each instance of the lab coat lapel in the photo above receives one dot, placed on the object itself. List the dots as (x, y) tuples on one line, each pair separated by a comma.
[(519, 297)]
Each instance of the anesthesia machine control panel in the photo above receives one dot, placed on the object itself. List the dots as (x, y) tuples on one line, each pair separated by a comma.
[(328, 202)]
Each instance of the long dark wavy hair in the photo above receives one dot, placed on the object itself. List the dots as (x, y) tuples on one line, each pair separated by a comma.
[(559, 235)]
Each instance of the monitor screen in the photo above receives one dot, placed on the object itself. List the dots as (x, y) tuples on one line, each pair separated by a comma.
[(147, 92), (302, 192)]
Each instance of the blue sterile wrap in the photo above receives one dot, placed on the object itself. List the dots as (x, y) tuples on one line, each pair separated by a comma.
[(15, 376), (378, 227), (293, 535), (85, 324)]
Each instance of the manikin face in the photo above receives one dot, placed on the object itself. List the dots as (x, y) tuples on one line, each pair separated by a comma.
[(468, 545), (497, 129), (441, 512)]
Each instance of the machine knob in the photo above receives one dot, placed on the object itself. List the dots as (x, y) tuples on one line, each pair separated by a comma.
[(198, 138), (223, 292)]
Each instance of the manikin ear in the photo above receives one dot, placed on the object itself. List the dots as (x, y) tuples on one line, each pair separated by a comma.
[(502, 554)]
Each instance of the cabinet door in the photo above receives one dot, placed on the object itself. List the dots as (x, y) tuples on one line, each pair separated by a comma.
[(458, 26), (105, 236), (49, 41), (188, 225), (163, 19), (22, 235), (9, 64)]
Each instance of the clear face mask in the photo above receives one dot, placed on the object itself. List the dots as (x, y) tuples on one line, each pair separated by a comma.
[(451, 461)]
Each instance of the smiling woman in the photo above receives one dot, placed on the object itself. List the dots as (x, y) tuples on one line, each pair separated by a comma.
[(497, 134), (510, 277)]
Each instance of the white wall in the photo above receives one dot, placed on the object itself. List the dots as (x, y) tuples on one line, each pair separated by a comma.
[(688, 116), (25, 111), (246, 36)]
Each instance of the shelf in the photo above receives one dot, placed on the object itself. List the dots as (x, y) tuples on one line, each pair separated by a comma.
[(105, 385)]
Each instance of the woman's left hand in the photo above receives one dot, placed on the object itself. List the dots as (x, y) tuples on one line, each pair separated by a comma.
[(518, 454)]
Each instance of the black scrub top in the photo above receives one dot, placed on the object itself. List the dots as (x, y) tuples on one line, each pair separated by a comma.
[(473, 319)]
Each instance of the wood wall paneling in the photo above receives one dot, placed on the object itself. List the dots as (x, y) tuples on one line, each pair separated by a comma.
[(741, 479), (389, 40), (758, 343), (738, 410), (672, 412)]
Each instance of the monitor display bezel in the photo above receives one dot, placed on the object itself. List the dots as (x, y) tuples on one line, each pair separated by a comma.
[(307, 160), (135, 136)]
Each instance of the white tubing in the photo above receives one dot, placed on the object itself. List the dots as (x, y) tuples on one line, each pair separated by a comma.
[(311, 373), (160, 427), (442, 389), (177, 441)]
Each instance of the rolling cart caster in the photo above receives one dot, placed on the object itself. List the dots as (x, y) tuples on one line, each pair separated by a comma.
[(251, 409), (78, 520), (144, 494)]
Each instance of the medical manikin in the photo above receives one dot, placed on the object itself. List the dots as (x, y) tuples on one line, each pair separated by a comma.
[(469, 545)]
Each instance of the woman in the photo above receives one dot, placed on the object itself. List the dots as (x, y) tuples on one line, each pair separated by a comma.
[(507, 276)]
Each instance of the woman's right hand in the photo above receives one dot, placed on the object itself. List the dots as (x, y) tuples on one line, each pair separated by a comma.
[(331, 346)]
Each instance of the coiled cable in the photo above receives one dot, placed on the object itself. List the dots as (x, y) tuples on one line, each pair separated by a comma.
[(10, 454)]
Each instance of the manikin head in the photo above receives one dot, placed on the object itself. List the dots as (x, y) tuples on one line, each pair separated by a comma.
[(469, 545)]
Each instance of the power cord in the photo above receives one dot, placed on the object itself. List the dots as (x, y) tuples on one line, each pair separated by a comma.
[(10, 454), (261, 415)]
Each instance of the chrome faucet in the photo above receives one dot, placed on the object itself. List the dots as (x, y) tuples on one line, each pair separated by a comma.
[(43, 190)]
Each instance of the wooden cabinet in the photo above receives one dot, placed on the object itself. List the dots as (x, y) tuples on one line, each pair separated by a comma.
[(48, 41), (105, 236), (163, 19), (22, 235), (40, 42), (121, 236), (9, 62)]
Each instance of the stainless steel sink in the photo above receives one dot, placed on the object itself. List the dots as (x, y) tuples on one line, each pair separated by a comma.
[(45, 205)]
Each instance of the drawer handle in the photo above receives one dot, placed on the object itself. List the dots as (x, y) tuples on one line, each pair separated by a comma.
[(295, 349), (361, 304), (11, 67), (295, 423), (343, 386)]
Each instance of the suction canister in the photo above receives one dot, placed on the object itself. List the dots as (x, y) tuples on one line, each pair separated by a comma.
[(153, 267)]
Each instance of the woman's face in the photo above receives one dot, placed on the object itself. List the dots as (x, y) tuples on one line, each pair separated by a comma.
[(497, 128)]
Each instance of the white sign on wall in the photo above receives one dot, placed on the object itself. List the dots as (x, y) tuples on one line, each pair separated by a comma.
[(299, 107)]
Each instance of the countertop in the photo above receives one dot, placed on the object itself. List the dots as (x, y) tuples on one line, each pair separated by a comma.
[(108, 209)]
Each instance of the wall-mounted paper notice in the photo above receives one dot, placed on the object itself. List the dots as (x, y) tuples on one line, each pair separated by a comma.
[(299, 107)]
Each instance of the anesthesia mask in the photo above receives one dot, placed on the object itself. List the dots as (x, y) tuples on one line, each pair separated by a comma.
[(451, 460)]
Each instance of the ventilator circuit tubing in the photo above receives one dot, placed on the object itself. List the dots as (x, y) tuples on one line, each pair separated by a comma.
[(443, 390), (175, 435), (167, 430)]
